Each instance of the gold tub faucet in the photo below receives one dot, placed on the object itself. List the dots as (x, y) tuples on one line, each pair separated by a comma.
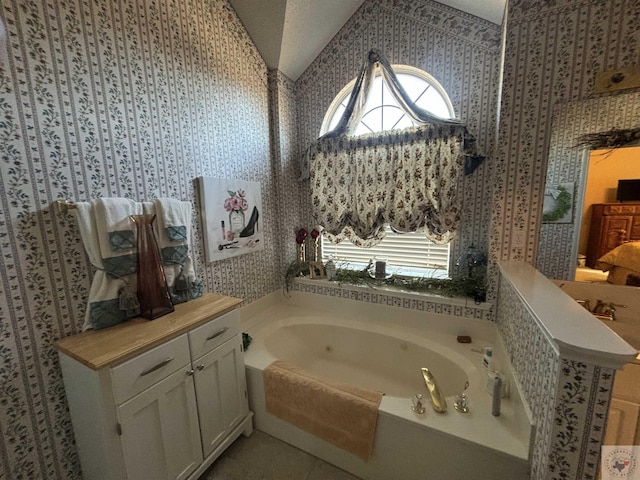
[(437, 398)]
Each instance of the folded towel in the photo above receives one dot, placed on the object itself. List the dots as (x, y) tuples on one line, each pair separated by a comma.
[(115, 234), (103, 308), (109, 239), (340, 414), (173, 231), (175, 217)]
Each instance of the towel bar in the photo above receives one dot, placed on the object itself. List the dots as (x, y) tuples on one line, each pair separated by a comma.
[(66, 205)]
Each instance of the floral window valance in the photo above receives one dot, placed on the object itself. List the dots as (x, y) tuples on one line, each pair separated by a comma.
[(407, 178)]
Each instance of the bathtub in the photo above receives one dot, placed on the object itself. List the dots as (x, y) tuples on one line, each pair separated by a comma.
[(383, 348)]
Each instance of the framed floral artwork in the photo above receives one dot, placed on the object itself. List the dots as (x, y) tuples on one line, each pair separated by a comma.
[(231, 217)]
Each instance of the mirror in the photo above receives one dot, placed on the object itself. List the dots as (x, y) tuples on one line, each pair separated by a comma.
[(559, 242), (604, 169)]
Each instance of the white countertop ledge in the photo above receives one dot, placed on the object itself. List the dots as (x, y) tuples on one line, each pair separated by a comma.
[(577, 334)]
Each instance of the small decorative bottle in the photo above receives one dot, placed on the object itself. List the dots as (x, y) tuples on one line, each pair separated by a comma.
[(486, 358), (236, 221), (330, 269)]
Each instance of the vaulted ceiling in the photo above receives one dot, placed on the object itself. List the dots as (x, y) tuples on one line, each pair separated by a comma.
[(290, 33)]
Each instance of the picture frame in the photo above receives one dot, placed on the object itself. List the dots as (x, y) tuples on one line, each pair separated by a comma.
[(232, 220), (316, 270)]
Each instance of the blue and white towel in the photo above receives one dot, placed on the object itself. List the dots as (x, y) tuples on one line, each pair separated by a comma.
[(173, 234), (103, 309), (115, 234), (109, 239)]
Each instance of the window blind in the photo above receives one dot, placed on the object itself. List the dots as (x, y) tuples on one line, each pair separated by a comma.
[(406, 253)]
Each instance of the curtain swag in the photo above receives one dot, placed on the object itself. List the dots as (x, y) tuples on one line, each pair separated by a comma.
[(407, 178)]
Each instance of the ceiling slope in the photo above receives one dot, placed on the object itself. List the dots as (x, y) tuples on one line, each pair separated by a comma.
[(289, 34)]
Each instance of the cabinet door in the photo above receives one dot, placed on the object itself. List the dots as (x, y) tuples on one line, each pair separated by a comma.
[(160, 434), (621, 422), (221, 392)]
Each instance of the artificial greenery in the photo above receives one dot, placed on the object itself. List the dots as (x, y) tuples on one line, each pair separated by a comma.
[(295, 269), (563, 205), (246, 341), (473, 286), (610, 139)]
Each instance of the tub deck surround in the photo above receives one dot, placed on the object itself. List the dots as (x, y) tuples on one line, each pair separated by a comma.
[(575, 333), (288, 328), (101, 348)]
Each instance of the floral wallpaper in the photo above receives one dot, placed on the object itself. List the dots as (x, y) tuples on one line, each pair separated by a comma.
[(554, 48), (537, 379), (284, 145), (461, 51), (136, 99), (124, 98), (568, 399)]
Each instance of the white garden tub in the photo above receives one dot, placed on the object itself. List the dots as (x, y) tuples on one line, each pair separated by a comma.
[(383, 348)]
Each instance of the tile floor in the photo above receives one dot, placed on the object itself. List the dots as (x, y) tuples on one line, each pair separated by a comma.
[(263, 457)]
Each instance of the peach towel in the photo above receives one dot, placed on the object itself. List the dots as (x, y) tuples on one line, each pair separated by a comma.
[(340, 414)]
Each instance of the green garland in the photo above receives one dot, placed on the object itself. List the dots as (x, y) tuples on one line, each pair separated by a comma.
[(295, 269), (458, 286), (563, 205), (614, 138)]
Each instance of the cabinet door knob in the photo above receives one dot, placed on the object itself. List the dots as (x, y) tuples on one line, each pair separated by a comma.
[(200, 367), (190, 372)]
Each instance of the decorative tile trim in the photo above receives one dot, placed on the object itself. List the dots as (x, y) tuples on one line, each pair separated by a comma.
[(459, 307)]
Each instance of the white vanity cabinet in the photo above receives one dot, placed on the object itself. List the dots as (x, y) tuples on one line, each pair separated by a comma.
[(158, 399)]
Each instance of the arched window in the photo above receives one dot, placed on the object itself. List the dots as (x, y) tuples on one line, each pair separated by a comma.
[(408, 254), (382, 111)]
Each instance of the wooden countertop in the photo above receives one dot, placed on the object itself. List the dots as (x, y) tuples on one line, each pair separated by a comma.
[(102, 348)]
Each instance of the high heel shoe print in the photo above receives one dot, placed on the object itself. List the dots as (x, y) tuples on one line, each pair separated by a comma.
[(252, 226)]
